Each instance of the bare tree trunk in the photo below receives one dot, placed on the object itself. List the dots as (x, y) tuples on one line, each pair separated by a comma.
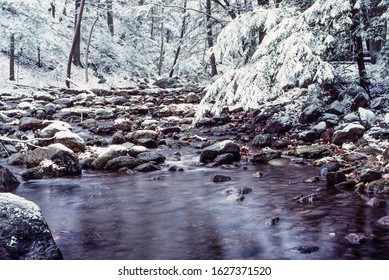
[(76, 35), (182, 33), (12, 58), (52, 9), (356, 17), (162, 50), (110, 16), (39, 63), (77, 49), (210, 38), (87, 48)]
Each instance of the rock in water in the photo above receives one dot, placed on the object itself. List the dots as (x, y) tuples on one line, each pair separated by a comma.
[(25, 235), (8, 182)]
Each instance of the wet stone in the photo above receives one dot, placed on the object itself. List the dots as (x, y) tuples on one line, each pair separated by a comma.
[(314, 151), (273, 221), (356, 238), (378, 187), (220, 178), (369, 175), (227, 158), (8, 181), (151, 156), (305, 249), (334, 178), (265, 156), (383, 222), (146, 167)]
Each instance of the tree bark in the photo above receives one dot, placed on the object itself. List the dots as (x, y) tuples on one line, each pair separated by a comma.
[(162, 49), (52, 9), (87, 48), (110, 17), (75, 38), (182, 33), (77, 48), (12, 58), (358, 42), (212, 59)]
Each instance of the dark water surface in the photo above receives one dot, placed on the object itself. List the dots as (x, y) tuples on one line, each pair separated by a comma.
[(184, 215)]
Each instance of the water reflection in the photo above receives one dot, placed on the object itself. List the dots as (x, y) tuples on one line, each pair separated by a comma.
[(184, 215)]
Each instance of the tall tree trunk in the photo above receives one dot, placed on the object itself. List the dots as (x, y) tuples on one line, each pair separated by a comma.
[(52, 9), (77, 49), (87, 48), (182, 33), (76, 35), (12, 58), (355, 29), (110, 16), (210, 38), (162, 50)]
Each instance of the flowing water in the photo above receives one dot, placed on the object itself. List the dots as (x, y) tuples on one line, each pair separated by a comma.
[(184, 215)]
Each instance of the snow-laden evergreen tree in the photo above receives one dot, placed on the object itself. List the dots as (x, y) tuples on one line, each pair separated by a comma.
[(274, 49)]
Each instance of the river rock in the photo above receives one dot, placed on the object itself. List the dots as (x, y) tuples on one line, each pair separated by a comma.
[(378, 187), (27, 123), (227, 158), (8, 182), (123, 161), (151, 156), (54, 127), (227, 146), (262, 140), (280, 125), (147, 167), (147, 142), (56, 160), (108, 154), (334, 178), (329, 167), (217, 178), (350, 133), (367, 117), (265, 156), (311, 113), (70, 140), (356, 238), (313, 151), (25, 234), (336, 108), (151, 134), (383, 222), (369, 175)]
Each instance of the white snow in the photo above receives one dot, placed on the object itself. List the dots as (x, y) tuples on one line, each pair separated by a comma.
[(367, 116)]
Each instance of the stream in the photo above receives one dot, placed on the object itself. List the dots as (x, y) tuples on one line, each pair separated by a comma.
[(184, 215)]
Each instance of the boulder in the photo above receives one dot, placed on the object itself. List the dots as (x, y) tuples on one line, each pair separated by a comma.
[(334, 178), (313, 151), (280, 125), (8, 182), (108, 154), (350, 133), (25, 234), (151, 156), (380, 186), (70, 140), (370, 175), (50, 130), (56, 160), (168, 83), (27, 123), (123, 161), (265, 156), (227, 146), (262, 140)]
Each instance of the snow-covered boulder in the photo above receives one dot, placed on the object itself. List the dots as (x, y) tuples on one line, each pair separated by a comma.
[(56, 160), (70, 140), (8, 181), (367, 117), (350, 133), (54, 127), (25, 234)]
